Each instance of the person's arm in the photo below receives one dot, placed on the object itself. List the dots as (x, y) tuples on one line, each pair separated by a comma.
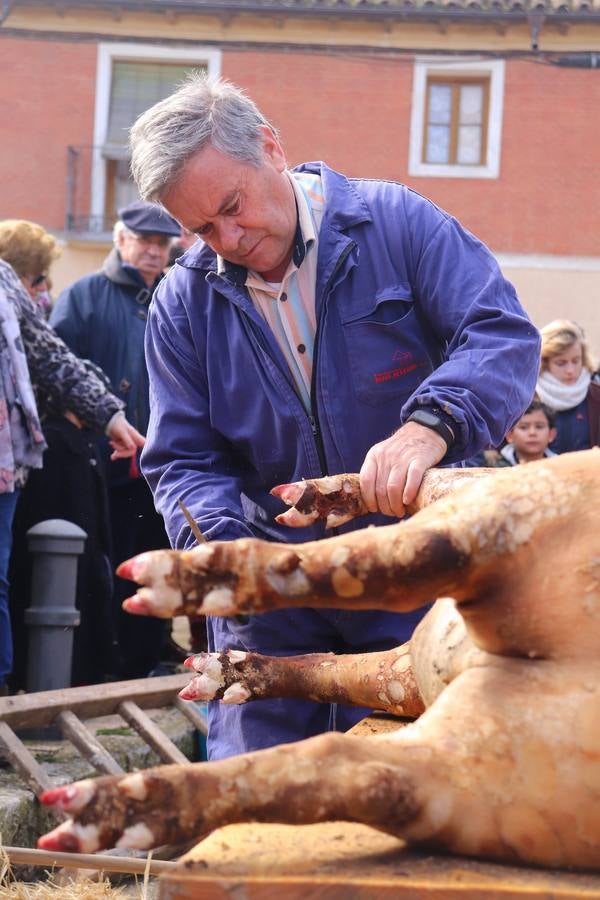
[(184, 457), (123, 438), (64, 378), (489, 375)]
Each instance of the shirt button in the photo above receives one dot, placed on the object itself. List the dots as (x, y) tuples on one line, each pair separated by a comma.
[(301, 348), (283, 297)]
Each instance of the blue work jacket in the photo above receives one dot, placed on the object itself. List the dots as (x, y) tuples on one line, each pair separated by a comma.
[(412, 310)]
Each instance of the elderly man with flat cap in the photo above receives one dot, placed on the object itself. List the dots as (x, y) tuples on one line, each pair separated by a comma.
[(102, 317)]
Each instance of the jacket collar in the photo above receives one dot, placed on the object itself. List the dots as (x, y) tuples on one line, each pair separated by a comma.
[(121, 273), (509, 453)]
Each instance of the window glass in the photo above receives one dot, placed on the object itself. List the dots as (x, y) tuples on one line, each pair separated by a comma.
[(468, 151), (440, 103), (471, 104), (438, 144)]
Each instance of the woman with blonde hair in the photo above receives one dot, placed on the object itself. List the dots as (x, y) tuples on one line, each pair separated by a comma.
[(565, 385), (30, 250)]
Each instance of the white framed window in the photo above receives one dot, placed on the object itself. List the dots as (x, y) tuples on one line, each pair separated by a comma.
[(456, 118), (129, 79)]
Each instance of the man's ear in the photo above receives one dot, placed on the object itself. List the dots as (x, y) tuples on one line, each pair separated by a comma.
[(272, 149), (551, 435), (509, 437)]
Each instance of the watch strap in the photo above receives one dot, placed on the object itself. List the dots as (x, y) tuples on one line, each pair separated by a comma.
[(435, 421)]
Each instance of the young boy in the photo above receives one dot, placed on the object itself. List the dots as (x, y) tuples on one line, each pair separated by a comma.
[(530, 437)]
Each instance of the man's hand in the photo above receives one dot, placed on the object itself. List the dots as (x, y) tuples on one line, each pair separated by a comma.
[(393, 469), (123, 437)]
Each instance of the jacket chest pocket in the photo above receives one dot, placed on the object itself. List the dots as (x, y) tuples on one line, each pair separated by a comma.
[(387, 349)]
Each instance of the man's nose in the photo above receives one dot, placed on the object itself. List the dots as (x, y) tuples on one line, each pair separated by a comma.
[(230, 235)]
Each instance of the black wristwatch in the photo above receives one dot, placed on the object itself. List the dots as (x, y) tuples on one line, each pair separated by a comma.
[(430, 420)]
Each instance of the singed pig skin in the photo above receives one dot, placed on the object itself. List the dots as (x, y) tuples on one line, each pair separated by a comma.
[(504, 763)]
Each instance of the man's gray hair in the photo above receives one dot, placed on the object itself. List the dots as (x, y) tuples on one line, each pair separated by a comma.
[(202, 111), (118, 229)]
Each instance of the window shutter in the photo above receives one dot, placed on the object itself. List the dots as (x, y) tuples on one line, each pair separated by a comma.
[(136, 86)]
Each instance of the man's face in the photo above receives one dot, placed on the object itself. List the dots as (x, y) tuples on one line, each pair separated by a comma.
[(149, 253), (246, 214)]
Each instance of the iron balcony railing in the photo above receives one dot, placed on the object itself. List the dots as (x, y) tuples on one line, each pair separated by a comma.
[(98, 184)]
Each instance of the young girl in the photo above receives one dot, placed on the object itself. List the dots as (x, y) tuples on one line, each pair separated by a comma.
[(565, 386)]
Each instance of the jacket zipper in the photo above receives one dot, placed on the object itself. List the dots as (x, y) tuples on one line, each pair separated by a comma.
[(314, 418)]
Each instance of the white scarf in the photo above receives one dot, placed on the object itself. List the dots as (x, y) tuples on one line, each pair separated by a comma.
[(561, 396)]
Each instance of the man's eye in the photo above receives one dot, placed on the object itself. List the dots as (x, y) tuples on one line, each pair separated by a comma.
[(202, 231), (234, 209)]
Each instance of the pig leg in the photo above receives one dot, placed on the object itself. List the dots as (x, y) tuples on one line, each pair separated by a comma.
[(337, 499), (227, 578), (399, 568), (480, 545), (383, 681), (484, 772), (330, 777)]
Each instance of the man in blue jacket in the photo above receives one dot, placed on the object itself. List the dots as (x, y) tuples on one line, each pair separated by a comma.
[(320, 325), (102, 317)]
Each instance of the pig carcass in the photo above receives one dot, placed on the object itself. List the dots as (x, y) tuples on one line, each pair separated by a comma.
[(504, 761)]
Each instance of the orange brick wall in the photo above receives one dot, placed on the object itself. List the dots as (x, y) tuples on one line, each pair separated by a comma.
[(547, 198), (355, 114), (351, 111), (46, 103)]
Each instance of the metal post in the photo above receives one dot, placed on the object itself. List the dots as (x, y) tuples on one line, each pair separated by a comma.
[(52, 616), (70, 211)]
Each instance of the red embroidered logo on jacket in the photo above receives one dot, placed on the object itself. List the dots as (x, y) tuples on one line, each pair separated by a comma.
[(398, 372)]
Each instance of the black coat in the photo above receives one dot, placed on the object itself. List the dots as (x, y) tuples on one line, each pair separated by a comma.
[(70, 486), (102, 317)]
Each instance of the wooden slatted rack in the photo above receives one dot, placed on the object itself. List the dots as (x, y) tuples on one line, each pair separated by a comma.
[(69, 708)]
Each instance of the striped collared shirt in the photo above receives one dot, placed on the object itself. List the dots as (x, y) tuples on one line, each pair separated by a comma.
[(289, 307)]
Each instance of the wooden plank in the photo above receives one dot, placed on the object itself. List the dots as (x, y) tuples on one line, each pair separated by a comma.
[(87, 743), (102, 862), (175, 886), (22, 760), (342, 860), (41, 708), (151, 733), (191, 711)]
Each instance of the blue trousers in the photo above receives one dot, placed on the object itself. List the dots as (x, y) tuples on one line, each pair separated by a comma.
[(265, 723), (8, 504)]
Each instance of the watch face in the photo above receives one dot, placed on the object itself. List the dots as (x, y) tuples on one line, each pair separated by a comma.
[(425, 418)]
